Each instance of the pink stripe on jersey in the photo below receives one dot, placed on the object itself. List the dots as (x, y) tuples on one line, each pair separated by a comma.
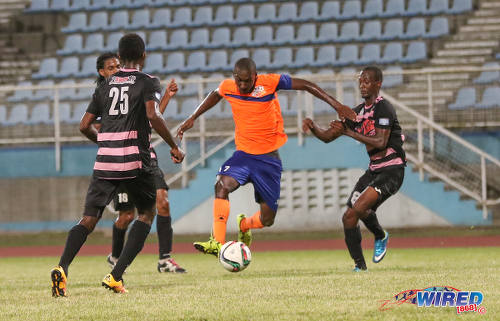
[(118, 167), (117, 136), (121, 151), (395, 161), (388, 151)]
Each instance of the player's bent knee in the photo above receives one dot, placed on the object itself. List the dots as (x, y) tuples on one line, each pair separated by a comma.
[(220, 190), (89, 222), (163, 207)]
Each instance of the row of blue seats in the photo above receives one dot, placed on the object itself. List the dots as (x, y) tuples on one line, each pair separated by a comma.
[(489, 76), (218, 60), (466, 98), (264, 35), (204, 16), (41, 114)]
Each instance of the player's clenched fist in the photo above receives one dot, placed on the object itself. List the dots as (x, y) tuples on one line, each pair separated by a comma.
[(177, 154)]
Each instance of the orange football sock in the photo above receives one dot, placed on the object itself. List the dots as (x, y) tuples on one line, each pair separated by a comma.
[(221, 213), (251, 222)]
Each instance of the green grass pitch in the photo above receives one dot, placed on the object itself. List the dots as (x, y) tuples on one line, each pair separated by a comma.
[(306, 285)]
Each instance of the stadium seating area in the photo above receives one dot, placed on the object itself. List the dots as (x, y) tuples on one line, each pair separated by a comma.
[(189, 39)]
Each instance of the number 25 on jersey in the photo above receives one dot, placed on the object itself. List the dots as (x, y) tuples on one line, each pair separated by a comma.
[(119, 95)]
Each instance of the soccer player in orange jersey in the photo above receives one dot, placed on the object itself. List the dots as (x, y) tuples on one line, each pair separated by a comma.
[(259, 133)]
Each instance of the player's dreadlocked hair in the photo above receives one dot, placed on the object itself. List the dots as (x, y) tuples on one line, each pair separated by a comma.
[(377, 73), (131, 47), (100, 65)]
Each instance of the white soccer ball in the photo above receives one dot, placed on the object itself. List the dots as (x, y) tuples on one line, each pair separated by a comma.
[(235, 256)]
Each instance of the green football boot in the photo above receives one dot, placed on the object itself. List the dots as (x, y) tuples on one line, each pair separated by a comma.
[(245, 237), (209, 247)]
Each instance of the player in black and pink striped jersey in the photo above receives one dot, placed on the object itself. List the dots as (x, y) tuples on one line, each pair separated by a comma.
[(378, 128), (127, 103)]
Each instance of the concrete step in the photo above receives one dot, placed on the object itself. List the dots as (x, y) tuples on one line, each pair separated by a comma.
[(483, 21), (490, 5), (474, 36), (443, 76), (423, 94), (464, 52), (487, 13), (471, 44), (452, 61), (421, 102), (480, 28), (436, 84)]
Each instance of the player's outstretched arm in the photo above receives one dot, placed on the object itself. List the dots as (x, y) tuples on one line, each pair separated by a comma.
[(379, 140), (87, 128), (211, 100), (343, 110), (159, 124), (170, 91), (327, 135)]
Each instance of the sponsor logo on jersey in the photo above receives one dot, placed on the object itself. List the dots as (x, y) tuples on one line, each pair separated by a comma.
[(383, 121), (258, 91), (115, 80)]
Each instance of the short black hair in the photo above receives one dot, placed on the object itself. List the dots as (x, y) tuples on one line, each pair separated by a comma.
[(100, 64), (377, 73), (131, 47), (246, 64)]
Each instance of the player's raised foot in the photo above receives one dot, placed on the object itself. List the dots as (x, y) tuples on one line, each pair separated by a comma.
[(110, 283), (209, 247), (245, 237), (111, 261), (58, 277), (169, 265), (380, 248)]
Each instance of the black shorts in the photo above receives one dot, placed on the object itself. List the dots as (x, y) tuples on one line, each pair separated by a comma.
[(141, 190), (122, 202), (386, 183)]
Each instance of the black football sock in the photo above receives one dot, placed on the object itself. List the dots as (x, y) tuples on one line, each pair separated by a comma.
[(118, 240), (76, 237), (165, 233), (135, 242), (372, 224), (353, 242)]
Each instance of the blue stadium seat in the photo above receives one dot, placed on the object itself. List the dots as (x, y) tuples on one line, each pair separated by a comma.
[(72, 44), (23, 94), (487, 76), (439, 27), (224, 15), (416, 51), (78, 112), (393, 52), (124, 4), (48, 68), (157, 40), (438, 7), (393, 30), (327, 33), (188, 89), (88, 67), (285, 34), (175, 62), (202, 17), (182, 17), (59, 5), (38, 6), (69, 67), (491, 98), (416, 7), (140, 19), (143, 3), (94, 43), (369, 54), (330, 10), (100, 4), (266, 13), (349, 99), (172, 110), (161, 19), (351, 10), (460, 6), (98, 21), (325, 56), (67, 93), (371, 30), (199, 37), (373, 8), (236, 55), (119, 20), (40, 114), (3, 114), (415, 28), (348, 75), (85, 93), (178, 39), (244, 15), (308, 11), (187, 107), (287, 12), (282, 57), (394, 79), (77, 22), (394, 8), (303, 57), (221, 37), (262, 58), (196, 61), (79, 5), (348, 55), (64, 112), (112, 41), (349, 31), (153, 63), (242, 36), (466, 97), (305, 34), (263, 35), (18, 114), (217, 61)]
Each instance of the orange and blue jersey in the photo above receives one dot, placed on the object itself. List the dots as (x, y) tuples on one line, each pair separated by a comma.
[(259, 127)]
